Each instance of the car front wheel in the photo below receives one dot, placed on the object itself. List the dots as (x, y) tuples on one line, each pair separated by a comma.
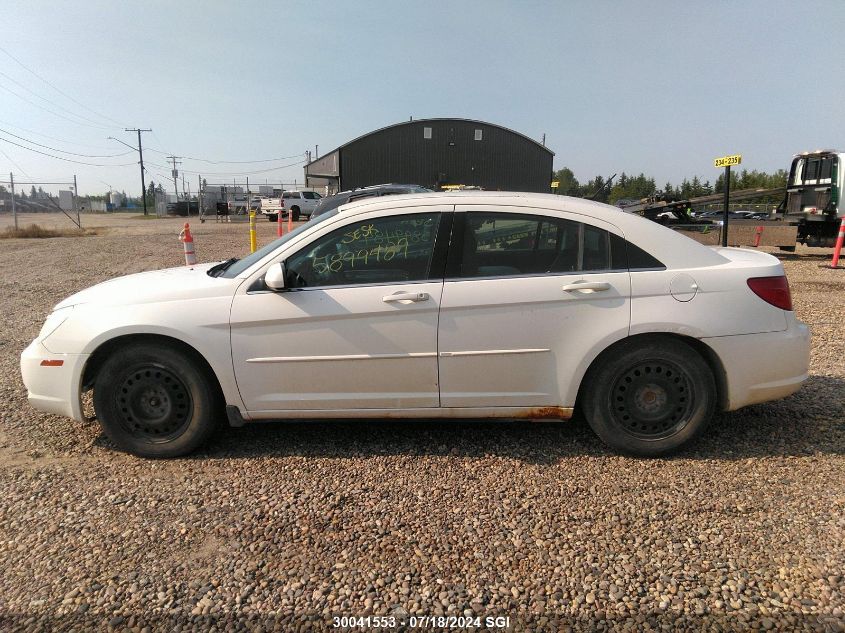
[(154, 401), (650, 397)]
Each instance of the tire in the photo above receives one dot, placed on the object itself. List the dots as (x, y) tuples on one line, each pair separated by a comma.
[(154, 401), (295, 212), (649, 397), (273, 217)]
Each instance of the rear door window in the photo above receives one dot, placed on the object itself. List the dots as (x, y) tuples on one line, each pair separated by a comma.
[(510, 244), (504, 244)]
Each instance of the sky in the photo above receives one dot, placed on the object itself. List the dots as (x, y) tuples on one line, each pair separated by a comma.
[(656, 87)]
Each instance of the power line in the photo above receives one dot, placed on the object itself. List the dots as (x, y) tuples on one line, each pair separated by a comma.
[(228, 162), (52, 138), (61, 92), (61, 116), (63, 151), (241, 162), (60, 107), (15, 164), (243, 173), (69, 160)]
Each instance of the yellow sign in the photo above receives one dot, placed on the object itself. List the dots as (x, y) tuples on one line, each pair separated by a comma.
[(727, 161), (555, 184)]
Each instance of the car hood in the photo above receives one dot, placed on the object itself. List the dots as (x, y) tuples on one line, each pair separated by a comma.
[(170, 284)]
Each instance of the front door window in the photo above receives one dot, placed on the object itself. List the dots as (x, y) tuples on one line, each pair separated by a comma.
[(396, 249)]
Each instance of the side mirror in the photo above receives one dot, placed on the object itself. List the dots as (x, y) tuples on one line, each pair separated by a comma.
[(274, 278)]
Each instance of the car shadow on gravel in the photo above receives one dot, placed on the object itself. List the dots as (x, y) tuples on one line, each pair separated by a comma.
[(807, 423), (802, 257)]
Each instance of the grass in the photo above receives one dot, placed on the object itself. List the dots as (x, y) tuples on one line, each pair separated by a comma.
[(37, 231)]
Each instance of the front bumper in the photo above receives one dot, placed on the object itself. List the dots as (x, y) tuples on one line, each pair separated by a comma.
[(763, 367), (53, 389)]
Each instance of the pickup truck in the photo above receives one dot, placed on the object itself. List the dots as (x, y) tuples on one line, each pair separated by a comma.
[(271, 208), (300, 203)]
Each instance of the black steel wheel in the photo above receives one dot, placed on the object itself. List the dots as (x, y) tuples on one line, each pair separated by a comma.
[(653, 399), (154, 404), (154, 401), (650, 396), (295, 212)]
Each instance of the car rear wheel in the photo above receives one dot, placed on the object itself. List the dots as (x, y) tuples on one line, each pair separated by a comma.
[(154, 401), (273, 217), (295, 212), (650, 397)]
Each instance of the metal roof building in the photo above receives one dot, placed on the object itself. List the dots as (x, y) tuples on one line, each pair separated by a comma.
[(434, 153)]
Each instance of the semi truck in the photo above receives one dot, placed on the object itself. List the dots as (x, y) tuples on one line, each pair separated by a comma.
[(813, 200)]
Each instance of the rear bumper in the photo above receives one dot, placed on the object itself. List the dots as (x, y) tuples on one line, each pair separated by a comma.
[(763, 367), (53, 389)]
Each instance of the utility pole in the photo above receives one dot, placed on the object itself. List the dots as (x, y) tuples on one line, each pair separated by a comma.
[(14, 209), (141, 157), (316, 152), (199, 198), (76, 201), (175, 174)]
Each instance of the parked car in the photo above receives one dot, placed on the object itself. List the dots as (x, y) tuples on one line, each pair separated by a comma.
[(333, 202), (300, 203), (270, 208), (435, 305)]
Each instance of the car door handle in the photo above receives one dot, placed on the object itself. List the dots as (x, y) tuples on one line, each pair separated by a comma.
[(406, 296), (589, 286)]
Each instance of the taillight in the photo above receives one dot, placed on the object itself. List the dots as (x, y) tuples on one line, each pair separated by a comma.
[(774, 290)]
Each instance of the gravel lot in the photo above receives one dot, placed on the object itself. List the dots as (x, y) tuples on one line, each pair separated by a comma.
[(282, 526)]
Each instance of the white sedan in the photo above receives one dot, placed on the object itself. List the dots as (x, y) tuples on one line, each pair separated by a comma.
[(457, 305)]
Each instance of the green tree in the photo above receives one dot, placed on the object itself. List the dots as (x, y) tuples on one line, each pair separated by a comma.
[(32, 192), (632, 187), (596, 189), (569, 185)]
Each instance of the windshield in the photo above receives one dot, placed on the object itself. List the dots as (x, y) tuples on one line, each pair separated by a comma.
[(242, 264)]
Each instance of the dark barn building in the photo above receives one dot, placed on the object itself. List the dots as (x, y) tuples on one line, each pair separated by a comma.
[(434, 153)]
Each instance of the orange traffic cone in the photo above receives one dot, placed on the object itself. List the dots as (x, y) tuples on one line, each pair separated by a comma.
[(188, 244), (840, 239)]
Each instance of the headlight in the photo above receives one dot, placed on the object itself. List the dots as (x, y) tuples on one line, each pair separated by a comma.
[(54, 321)]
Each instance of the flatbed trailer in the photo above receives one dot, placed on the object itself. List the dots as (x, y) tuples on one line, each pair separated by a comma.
[(774, 232)]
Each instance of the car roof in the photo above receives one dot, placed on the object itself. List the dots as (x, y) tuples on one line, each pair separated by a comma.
[(672, 248)]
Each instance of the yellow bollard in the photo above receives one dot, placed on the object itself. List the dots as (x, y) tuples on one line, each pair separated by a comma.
[(252, 239)]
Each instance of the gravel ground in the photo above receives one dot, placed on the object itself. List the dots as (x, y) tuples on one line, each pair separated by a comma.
[(283, 526)]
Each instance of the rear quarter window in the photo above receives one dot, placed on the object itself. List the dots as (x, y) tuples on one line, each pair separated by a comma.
[(626, 255)]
